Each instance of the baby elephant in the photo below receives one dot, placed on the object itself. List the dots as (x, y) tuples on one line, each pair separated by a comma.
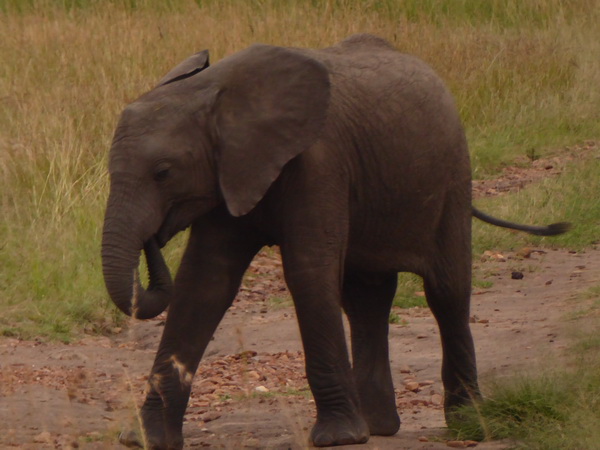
[(353, 160)]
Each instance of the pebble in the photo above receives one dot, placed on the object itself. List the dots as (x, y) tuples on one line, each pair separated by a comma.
[(436, 399), (254, 374), (412, 386), (208, 389), (252, 442), (210, 416), (261, 389), (43, 438)]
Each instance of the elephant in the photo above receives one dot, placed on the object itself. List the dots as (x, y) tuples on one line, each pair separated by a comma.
[(353, 160)]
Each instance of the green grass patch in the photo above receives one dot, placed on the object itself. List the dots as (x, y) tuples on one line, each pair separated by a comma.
[(482, 284), (277, 302), (409, 292), (396, 319)]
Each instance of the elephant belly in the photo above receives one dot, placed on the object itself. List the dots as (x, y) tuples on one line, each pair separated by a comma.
[(397, 246)]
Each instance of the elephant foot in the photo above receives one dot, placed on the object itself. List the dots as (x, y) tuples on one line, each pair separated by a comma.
[(155, 435), (379, 409), (381, 424), (453, 403), (131, 439), (333, 431)]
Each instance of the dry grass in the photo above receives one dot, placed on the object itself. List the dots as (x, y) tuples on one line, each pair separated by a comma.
[(521, 72)]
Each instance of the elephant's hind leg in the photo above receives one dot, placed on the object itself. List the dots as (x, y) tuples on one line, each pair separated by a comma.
[(448, 291), (367, 301)]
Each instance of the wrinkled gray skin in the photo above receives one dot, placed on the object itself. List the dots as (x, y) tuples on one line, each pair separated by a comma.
[(353, 160)]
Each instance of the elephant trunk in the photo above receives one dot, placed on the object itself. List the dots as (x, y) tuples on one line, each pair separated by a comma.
[(120, 259)]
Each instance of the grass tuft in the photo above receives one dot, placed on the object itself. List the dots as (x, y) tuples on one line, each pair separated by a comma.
[(548, 410)]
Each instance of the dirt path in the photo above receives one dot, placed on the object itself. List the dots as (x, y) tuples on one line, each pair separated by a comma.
[(250, 390)]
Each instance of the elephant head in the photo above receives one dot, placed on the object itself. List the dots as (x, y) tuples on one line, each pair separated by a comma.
[(204, 136)]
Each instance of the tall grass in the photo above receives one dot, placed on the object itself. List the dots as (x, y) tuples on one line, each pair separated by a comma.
[(522, 71)]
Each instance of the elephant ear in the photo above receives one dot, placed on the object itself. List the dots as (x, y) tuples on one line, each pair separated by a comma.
[(271, 107), (191, 66)]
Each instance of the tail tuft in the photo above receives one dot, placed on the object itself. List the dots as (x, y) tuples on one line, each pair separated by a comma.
[(555, 229)]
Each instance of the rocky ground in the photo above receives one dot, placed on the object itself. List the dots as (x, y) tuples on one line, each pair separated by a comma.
[(250, 390)]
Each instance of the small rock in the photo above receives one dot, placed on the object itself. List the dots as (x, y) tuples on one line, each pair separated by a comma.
[(43, 438), (549, 282), (525, 252), (437, 399), (456, 444), (261, 389), (405, 369), (515, 276), (254, 374), (426, 383), (210, 416), (493, 255), (423, 439), (207, 389), (252, 442), (412, 386), (471, 443)]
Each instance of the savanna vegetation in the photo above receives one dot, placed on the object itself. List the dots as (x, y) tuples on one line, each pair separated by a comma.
[(525, 73)]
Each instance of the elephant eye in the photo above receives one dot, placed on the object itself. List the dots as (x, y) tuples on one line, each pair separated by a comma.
[(161, 174)]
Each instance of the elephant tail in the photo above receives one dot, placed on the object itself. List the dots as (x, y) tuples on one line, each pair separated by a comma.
[(550, 230)]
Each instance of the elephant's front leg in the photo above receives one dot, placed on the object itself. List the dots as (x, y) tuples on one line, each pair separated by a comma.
[(209, 277), (367, 300), (315, 285)]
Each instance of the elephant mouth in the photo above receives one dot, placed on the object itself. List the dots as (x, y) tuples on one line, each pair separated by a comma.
[(165, 233), (181, 216), (161, 238), (175, 221)]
